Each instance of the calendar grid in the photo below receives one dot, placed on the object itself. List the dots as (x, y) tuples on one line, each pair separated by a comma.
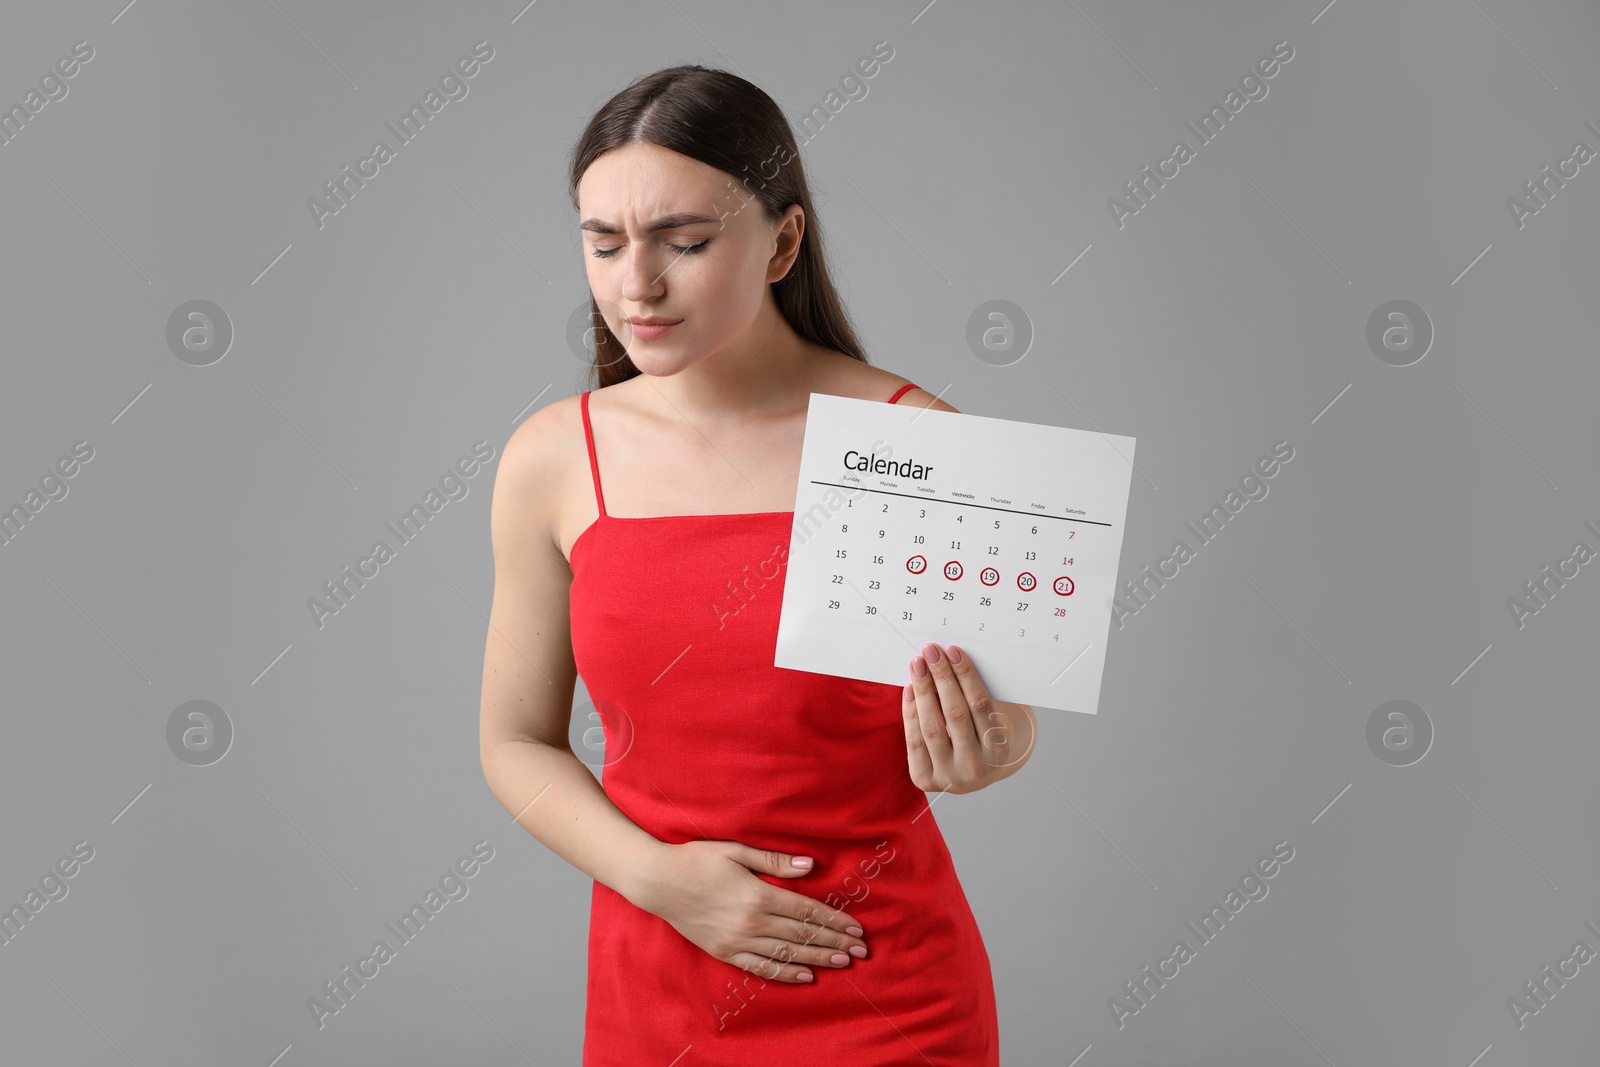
[(918, 538)]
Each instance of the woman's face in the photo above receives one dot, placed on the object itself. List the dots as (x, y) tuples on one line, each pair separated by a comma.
[(667, 237)]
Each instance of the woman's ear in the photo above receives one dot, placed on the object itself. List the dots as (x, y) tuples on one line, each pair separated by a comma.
[(787, 233)]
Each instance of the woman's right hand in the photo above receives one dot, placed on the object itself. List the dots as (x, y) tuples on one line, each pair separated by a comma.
[(706, 891)]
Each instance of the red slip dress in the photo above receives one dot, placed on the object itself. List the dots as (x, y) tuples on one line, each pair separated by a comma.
[(674, 629)]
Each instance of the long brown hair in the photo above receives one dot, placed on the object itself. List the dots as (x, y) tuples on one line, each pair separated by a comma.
[(723, 121)]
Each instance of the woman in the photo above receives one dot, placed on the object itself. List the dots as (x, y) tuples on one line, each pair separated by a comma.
[(758, 828)]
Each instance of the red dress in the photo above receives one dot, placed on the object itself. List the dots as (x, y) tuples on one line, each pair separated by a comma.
[(674, 628)]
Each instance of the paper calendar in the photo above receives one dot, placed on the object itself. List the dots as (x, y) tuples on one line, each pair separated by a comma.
[(914, 525)]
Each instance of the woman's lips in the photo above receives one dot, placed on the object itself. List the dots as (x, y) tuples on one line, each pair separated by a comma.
[(650, 331)]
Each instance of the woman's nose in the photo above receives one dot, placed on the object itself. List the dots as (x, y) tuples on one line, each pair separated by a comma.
[(645, 277)]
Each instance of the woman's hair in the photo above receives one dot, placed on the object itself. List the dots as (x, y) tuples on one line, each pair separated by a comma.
[(723, 121)]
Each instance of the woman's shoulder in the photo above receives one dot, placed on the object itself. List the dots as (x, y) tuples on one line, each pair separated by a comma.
[(887, 384), (856, 378), (545, 461), (540, 443), (920, 397)]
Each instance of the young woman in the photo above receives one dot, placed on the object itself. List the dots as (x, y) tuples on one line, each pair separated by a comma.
[(766, 886)]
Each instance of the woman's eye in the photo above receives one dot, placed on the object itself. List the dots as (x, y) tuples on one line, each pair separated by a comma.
[(689, 250)]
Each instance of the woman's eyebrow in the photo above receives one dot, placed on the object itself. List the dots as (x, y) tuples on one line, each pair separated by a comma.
[(665, 222)]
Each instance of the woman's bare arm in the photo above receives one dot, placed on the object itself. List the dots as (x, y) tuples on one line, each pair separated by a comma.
[(529, 676)]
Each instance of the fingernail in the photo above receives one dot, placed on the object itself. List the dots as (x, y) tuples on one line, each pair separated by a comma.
[(839, 959), (802, 861), (804, 976), (854, 931), (919, 667), (858, 951), (932, 653), (955, 654)]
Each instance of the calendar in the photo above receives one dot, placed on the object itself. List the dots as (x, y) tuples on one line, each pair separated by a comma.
[(914, 525)]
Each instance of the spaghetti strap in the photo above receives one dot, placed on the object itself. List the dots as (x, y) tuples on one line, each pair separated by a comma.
[(902, 391), (594, 464)]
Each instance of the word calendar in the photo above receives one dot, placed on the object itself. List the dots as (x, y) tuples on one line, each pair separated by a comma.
[(914, 525)]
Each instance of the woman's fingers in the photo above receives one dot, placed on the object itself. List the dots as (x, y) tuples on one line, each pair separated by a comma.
[(824, 939), (781, 955), (794, 947), (825, 915), (770, 969), (976, 705), (935, 737), (791, 905), (804, 920), (946, 732), (954, 706), (767, 861), (918, 758), (956, 734), (794, 932), (803, 931), (784, 951)]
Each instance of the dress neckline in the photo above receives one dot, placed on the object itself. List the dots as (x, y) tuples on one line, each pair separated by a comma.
[(572, 552)]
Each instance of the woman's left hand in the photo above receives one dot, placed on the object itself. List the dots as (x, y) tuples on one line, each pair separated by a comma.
[(958, 738)]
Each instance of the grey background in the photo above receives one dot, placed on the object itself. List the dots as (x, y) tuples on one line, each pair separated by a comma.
[(1229, 314)]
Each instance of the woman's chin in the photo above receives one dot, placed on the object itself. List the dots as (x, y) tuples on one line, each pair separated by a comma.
[(655, 363)]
